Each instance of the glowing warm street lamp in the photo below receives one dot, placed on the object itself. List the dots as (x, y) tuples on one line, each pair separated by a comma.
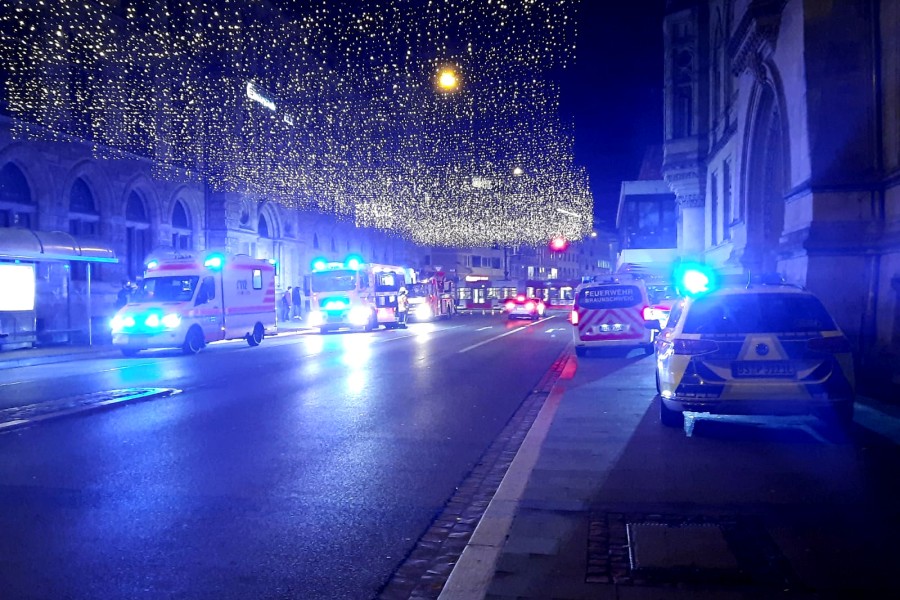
[(447, 80)]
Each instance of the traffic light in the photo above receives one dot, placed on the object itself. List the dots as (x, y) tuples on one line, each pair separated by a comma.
[(559, 244)]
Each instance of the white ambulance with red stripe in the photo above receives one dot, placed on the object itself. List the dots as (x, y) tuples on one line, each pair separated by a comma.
[(611, 313), (189, 301)]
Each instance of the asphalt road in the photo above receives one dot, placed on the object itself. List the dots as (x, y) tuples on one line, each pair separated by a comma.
[(305, 468)]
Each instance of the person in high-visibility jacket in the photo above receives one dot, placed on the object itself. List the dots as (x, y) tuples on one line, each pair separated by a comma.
[(402, 307)]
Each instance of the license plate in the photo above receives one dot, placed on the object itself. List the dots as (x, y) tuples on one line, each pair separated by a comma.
[(763, 368)]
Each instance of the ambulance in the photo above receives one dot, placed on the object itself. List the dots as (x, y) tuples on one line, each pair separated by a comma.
[(189, 301), (611, 313), (354, 295)]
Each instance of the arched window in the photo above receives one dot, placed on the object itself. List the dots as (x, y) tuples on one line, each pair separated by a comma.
[(263, 228), (83, 217), (137, 234), (16, 206), (316, 241), (181, 227), (333, 246)]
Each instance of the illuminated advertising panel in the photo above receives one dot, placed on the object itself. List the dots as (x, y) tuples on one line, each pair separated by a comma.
[(16, 287)]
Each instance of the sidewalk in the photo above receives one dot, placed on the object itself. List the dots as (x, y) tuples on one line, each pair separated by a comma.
[(553, 531), (43, 355)]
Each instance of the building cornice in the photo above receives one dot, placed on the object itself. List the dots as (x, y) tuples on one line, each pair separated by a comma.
[(755, 35)]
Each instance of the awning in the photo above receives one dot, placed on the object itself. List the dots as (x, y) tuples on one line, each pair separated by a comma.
[(28, 244)]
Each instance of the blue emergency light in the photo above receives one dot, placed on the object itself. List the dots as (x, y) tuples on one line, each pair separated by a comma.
[(354, 262), (152, 264), (214, 261), (695, 279)]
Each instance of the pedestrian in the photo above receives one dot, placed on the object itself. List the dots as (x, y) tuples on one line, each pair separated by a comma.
[(286, 305), (124, 295), (296, 302), (402, 307)]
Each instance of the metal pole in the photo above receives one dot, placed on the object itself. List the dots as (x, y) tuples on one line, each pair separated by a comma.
[(90, 328)]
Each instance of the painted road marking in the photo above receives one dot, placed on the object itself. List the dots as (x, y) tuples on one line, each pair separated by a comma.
[(502, 335)]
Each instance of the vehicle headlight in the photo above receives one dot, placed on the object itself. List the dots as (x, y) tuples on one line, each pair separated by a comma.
[(171, 321), (118, 323), (316, 318), (359, 315), (424, 311)]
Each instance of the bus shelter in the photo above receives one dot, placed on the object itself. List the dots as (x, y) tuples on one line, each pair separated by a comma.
[(45, 286)]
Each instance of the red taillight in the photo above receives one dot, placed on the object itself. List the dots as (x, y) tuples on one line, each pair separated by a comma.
[(521, 297), (647, 313), (695, 346), (829, 345), (510, 306), (574, 317), (529, 306)]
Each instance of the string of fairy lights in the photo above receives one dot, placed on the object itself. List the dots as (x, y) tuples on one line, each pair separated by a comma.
[(437, 120)]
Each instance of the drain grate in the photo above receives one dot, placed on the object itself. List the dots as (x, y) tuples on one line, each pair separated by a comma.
[(644, 549)]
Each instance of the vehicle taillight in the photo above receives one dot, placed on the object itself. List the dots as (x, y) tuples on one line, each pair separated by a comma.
[(510, 306), (574, 317), (647, 313), (529, 306), (829, 345), (695, 346)]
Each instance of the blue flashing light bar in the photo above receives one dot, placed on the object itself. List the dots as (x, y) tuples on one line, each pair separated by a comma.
[(696, 279), (152, 265), (319, 264), (354, 262), (214, 261)]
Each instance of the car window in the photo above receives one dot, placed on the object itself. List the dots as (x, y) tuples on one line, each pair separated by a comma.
[(757, 313)]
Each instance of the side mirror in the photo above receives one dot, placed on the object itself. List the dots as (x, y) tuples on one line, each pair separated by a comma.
[(654, 324)]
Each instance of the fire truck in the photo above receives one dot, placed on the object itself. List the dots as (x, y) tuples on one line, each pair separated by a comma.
[(354, 295), (189, 301), (431, 297)]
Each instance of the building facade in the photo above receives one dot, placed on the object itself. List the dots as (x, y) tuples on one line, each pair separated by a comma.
[(131, 207), (782, 147)]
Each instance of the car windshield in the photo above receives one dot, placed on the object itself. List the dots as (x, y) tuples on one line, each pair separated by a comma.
[(166, 289), (333, 281), (757, 313), (417, 290)]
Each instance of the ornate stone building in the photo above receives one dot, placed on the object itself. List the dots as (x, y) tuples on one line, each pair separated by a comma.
[(782, 146), (127, 205)]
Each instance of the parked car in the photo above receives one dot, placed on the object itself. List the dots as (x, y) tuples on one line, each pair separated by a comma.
[(755, 349)]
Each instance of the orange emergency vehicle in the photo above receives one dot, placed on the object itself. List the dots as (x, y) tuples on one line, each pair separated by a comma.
[(190, 301), (611, 312), (431, 298)]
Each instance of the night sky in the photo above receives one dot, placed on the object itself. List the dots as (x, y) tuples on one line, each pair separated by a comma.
[(614, 93)]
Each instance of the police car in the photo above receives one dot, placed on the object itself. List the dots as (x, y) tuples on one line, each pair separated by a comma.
[(760, 348)]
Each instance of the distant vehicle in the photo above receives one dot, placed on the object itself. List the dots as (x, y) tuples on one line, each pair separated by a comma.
[(432, 297), (611, 312), (523, 307), (758, 348), (354, 295), (189, 301)]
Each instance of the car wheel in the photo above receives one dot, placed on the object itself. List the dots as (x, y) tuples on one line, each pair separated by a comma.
[(129, 351), (254, 339), (193, 341), (670, 418), (580, 351)]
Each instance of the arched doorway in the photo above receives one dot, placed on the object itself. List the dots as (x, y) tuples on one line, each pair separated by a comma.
[(766, 184)]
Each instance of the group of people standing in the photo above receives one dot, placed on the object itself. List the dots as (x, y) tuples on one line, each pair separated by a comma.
[(290, 304)]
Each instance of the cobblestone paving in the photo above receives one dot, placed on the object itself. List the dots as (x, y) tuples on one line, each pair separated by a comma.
[(424, 572)]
